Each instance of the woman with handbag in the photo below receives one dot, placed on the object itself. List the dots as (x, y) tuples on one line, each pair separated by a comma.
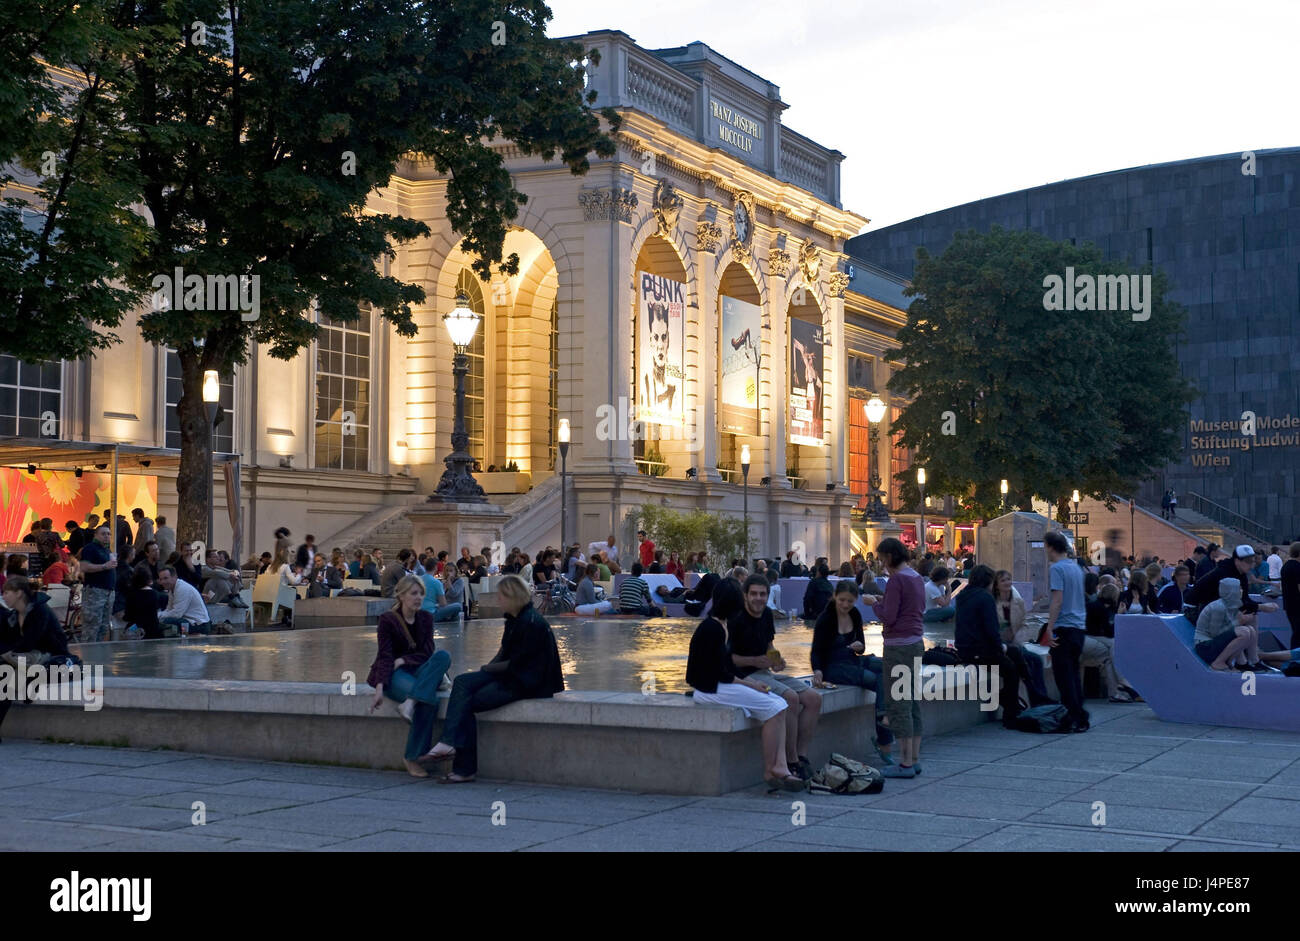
[(837, 647), (408, 670), (527, 666)]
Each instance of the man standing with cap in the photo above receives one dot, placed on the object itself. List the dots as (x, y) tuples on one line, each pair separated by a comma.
[(1238, 566)]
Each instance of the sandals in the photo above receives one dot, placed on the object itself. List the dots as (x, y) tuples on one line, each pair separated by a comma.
[(456, 778), (414, 770), (791, 782), (428, 758)]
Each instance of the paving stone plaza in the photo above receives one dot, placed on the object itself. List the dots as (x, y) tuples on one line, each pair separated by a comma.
[(1165, 788)]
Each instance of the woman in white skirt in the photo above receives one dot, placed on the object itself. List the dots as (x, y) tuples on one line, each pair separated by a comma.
[(711, 674)]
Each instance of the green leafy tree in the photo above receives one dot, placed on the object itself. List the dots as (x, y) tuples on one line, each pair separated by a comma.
[(722, 536), (1052, 400), (255, 134)]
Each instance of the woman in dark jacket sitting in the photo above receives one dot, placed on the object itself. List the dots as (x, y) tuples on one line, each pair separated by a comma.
[(711, 672), (28, 629), (526, 667), (979, 638), (407, 669), (142, 605), (837, 646)]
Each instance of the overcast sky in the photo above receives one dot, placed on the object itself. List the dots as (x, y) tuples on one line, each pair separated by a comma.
[(935, 103)]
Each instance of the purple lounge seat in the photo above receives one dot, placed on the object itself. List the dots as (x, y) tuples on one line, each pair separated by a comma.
[(1155, 653)]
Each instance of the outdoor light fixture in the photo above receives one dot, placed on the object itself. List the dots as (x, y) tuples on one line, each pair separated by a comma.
[(875, 409), (458, 484), (286, 461), (564, 480), (920, 476), (1074, 497), (1004, 488), (211, 386), (876, 510), (462, 323)]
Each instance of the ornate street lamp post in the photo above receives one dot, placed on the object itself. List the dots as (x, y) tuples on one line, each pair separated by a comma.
[(1074, 498), (211, 400), (920, 482), (564, 485), (458, 484), (876, 510), (1004, 488)]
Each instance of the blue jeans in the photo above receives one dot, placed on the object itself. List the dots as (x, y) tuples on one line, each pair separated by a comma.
[(471, 693), (867, 676), (446, 612), (939, 614), (422, 686)]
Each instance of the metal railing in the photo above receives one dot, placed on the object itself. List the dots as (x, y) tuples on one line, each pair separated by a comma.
[(1221, 514)]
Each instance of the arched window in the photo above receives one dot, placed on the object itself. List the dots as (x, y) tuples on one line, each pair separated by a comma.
[(475, 379)]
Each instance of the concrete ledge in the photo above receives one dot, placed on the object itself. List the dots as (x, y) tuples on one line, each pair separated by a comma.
[(347, 611), (665, 742)]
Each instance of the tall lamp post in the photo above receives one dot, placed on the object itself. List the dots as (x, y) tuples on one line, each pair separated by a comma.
[(1004, 487), (744, 477), (211, 400), (564, 484), (458, 484), (1074, 498), (920, 482), (876, 510)]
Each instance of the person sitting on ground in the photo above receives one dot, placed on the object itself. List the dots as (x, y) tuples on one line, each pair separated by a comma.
[(586, 601), (185, 611), (526, 667), (605, 574), (408, 669), (979, 640), (435, 599), (395, 572), (336, 572), (634, 596), (817, 595), (711, 673), (369, 569), (1102, 605), (938, 596), (458, 590), (1173, 597), (141, 612), (838, 645), (220, 584), (753, 633)]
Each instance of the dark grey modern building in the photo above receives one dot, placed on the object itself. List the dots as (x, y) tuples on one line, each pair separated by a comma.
[(1229, 240)]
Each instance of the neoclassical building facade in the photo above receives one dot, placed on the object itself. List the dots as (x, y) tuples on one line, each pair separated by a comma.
[(686, 299)]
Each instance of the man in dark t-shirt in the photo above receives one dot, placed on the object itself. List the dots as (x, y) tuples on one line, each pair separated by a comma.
[(1291, 591), (753, 631)]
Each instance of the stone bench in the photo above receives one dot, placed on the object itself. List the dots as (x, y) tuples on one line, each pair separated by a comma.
[(664, 743)]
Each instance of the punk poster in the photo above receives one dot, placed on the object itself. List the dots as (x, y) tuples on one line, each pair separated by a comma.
[(739, 359), (805, 383), (660, 343)]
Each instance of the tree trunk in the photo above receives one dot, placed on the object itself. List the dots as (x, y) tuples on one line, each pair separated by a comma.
[(192, 481)]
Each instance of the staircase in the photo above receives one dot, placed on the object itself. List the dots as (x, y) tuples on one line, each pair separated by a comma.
[(1212, 522), (534, 522), (535, 517)]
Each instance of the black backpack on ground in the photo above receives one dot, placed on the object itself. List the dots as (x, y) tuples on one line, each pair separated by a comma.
[(1042, 719)]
